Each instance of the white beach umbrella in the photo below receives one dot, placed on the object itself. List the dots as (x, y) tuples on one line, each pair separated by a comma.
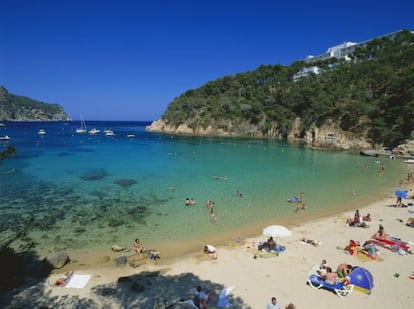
[(276, 231)]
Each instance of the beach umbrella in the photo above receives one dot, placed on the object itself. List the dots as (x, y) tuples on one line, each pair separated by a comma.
[(276, 231), (401, 193), (362, 280)]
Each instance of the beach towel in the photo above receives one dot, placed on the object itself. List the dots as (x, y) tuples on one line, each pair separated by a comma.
[(78, 281), (365, 257)]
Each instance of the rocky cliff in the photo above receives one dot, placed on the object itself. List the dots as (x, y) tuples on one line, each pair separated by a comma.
[(20, 108), (327, 135)]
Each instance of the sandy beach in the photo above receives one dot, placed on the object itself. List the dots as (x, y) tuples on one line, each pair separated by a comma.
[(255, 280)]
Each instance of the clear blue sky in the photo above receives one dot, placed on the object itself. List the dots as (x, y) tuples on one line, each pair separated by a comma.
[(127, 60)]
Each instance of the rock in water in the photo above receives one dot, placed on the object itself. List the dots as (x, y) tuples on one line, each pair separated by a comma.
[(117, 248), (125, 182)]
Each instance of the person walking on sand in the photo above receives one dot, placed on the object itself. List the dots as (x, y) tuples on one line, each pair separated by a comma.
[(273, 304)]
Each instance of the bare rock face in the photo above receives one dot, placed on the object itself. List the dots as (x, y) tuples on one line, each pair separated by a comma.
[(329, 135)]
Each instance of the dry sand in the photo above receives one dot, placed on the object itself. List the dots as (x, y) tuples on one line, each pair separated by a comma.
[(256, 280)]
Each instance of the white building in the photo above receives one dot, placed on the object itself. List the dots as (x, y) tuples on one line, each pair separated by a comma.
[(340, 51)]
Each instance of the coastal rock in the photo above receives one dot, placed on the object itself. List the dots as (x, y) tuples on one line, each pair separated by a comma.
[(121, 261), (326, 135), (330, 136), (94, 175), (134, 263), (56, 260), (117, 248)]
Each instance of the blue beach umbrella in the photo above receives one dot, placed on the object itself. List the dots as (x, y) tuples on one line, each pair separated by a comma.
[(401, 193), (362, 280)]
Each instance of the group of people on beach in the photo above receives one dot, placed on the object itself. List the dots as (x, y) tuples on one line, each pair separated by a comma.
[(358, 220), (329, 276)]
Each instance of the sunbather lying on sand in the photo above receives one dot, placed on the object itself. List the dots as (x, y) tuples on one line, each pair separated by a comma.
[(64, 280), (314, 243)]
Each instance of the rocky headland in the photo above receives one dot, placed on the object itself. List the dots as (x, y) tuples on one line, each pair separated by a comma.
[(19, 108)]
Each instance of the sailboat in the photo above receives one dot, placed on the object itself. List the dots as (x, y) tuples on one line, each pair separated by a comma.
[(82, 128)]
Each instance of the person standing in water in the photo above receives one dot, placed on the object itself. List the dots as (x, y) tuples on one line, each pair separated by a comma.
[(301, 204)]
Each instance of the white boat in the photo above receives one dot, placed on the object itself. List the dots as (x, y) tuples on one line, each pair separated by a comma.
[(4, 138), (94, 131), (82, 128), (409, 161), (130, 135), (41, 132), (2, 124), (109, 133)]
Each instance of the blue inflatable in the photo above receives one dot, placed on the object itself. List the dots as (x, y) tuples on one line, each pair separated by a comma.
[(293, 199)]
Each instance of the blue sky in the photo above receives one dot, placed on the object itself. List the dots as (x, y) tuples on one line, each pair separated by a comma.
[(127, 60)]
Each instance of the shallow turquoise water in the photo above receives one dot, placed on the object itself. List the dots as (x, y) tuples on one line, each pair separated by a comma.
[(47, 197)]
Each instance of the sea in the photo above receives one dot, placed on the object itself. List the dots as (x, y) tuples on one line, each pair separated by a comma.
[(83, 193)]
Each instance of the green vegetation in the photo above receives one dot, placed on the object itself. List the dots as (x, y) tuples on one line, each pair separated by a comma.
[(28, 103), (373, 94)]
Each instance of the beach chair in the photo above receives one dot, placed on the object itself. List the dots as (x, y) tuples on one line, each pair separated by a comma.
[(339, 288)]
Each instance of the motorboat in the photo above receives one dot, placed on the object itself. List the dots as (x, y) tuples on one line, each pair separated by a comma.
[(4, 138), (94, 131), (409, 161), (109, 133), (41, 132), (130, 135)]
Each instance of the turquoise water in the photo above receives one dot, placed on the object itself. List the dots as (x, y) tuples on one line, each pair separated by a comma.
[(62, 189)]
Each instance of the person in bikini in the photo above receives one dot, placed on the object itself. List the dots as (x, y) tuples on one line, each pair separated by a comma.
[(137, 246), (381, 234), (64, 280)]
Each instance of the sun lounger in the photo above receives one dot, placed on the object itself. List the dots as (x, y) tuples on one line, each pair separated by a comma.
[(339, 288)]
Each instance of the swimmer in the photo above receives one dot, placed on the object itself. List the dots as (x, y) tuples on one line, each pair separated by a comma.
[(209, 204), (238, 193)]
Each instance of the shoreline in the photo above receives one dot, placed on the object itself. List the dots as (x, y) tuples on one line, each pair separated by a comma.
[(171, 251), (256, 280)]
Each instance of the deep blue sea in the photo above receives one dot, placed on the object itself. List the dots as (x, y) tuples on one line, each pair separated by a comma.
[(77, 191)]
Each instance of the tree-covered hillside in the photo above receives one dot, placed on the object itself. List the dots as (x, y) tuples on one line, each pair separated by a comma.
[(372, 94)]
